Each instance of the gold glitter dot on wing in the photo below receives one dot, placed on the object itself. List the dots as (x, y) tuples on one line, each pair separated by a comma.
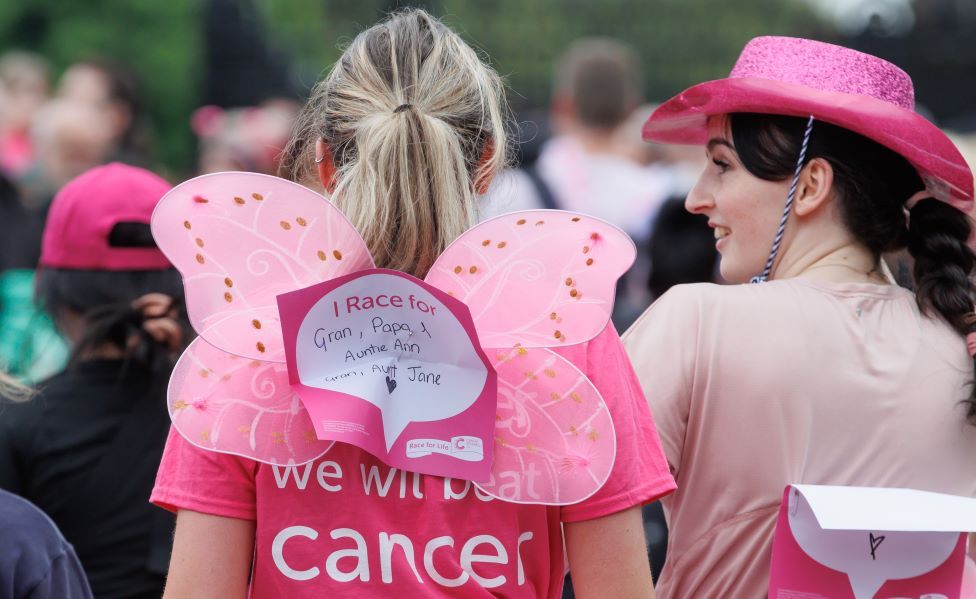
[(576, 219), (229, 282), (228, 297), (187, 225), (301, 221), (239, 200), (593, 435), (199, 242), (321, 255), (589, 261), (256, 323), (555, 396), (473, 269), (486, 242), (285, 225), (200, 258), (549, 372), (520, 221), (337, 254), (257, 196), (260, 347), (180, 405), (458, 270), (576, 397), (502, 244)]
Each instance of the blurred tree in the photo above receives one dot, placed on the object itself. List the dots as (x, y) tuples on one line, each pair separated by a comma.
[(679, 41), (158, 38)]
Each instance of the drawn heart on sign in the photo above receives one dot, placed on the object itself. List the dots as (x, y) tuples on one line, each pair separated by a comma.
[(390, 384)]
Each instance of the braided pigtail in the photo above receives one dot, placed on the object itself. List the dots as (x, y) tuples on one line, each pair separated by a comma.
[(938, 236)]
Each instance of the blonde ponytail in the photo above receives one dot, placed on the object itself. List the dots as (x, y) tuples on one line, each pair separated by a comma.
[(414, 121)]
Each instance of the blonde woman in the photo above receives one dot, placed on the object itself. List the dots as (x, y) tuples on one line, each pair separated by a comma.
[(404, 133)]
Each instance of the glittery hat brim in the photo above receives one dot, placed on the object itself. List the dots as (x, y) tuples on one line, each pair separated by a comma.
[(683, 120)]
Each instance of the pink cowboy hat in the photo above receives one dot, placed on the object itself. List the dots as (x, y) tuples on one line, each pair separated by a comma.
[(850, 89)]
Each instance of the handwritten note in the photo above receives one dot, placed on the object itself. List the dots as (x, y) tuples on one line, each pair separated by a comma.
[(375, 353)]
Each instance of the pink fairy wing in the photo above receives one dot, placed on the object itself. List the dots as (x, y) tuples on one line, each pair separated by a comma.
[(225, 403), (554, 438), (240, 239), (537, 278)]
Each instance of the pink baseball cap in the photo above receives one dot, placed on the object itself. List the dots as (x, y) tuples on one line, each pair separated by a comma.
[(850, 89), (78, 233)]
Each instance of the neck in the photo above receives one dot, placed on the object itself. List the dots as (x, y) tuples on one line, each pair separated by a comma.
[(846, 263)]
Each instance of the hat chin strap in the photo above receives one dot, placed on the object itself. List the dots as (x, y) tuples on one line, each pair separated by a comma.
[(786, 210)]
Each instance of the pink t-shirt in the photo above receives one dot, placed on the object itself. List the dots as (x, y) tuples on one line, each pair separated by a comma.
[(351, 525), (755, 387)]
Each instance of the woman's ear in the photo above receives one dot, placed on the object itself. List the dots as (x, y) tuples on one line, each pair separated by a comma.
[(325, 164), (484, 180), (815, 187)]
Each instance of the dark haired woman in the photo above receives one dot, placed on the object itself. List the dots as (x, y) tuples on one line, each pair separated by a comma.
[(822, 372), (85, 450)]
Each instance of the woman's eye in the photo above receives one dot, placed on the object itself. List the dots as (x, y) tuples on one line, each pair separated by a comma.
[(721, 164)]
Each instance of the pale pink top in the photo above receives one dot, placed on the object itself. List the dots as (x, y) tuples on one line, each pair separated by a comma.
[(754, 387)]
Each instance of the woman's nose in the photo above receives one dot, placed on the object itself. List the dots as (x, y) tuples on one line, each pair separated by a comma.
[(699, 200)]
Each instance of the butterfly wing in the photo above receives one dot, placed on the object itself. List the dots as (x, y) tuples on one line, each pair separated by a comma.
[(223, 402), (239, 240), (554, 437), (538, 278)]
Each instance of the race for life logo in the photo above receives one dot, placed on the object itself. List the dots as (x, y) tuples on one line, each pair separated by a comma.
[(469, 449)]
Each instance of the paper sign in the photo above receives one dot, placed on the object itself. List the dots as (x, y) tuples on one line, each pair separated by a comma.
[(864, 543), (388, 363)]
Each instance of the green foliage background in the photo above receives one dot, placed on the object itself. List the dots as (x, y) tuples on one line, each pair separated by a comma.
[(680, 41)]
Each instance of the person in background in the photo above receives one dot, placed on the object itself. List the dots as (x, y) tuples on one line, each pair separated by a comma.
[(36, 562), (682, 248), (406, 130), (114, 91), (69, 137), (243, 139), (25, 83), (86, 449), (822, 371), (587, 166)]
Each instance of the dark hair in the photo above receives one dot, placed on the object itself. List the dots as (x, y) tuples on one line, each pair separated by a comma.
[(681, 247), (872, 184), (104, 298)]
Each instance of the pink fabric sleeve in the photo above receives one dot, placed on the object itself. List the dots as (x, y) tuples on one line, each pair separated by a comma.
[(662, 346), (191, 478), (640, 472)]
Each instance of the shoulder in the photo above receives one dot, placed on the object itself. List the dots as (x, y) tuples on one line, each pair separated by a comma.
[(31, 541)]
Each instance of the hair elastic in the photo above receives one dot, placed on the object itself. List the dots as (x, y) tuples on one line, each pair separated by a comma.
[(971, 344)]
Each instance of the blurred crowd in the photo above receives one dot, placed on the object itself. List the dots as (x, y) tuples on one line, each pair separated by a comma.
[(583, 152)]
